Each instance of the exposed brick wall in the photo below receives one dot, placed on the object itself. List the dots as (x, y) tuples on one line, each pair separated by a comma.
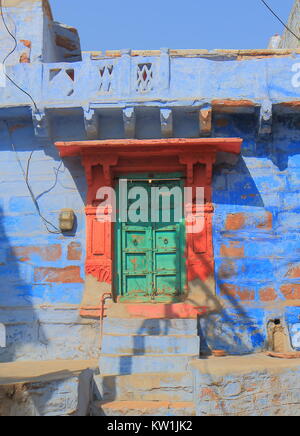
[(74, 251), (70, 274)]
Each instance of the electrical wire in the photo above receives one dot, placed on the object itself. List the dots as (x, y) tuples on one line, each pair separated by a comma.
[(47, 224), (280, 20), (10, 53), (10, 33), (55, 230)]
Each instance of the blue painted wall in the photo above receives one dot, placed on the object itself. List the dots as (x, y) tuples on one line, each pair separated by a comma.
[(40, 287), (256, 235), (256, 197)]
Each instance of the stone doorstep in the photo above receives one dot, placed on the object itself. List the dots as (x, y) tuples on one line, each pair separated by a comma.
[(143, 408), (26, 372)]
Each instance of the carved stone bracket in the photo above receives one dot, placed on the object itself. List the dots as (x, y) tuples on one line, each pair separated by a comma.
[(41, 124), (91, 123), (166, 121), (205, 121), (129, 119), (265, 118)]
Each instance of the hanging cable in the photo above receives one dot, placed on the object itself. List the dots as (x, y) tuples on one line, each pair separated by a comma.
[(10, 33), (280, 20), (10, 53), (51, 228)]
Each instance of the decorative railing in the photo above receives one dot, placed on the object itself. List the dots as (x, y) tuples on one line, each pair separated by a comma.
[(106, 78), (162, 78)]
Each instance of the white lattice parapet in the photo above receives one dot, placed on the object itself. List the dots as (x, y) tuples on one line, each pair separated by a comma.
[(167, 84), (164, 77)]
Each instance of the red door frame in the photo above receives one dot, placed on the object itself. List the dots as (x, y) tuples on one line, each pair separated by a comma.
[(104, 160)]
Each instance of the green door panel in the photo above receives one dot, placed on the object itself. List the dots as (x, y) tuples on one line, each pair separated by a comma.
[(136, 286), (135, 239), (150, 264), (165, 262), (166, 239), (166, 286), (136, 262)]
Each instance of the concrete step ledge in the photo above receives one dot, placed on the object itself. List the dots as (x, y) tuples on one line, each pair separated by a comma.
[(143, 345), (152, 327), (112, 364), (143, 408), (144, 387)]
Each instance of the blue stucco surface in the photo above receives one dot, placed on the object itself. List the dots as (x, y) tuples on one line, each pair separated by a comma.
[(261, 182), (26, 246), (81, 99), (246, 386)]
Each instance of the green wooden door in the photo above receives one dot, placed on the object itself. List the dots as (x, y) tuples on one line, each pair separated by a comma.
[(150, 262)]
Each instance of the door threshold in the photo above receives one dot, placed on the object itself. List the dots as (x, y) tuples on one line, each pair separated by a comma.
[(126, 300), (155, 310)]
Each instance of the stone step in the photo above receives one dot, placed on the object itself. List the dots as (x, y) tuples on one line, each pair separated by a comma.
[(113, 364), (153, 327), (141, 345), (144, 387), (142, 408)]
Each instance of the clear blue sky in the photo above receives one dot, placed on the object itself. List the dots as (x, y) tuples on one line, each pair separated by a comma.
[(152, 24)]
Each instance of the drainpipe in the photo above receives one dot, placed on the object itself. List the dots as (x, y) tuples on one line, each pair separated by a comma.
[(105, 296)]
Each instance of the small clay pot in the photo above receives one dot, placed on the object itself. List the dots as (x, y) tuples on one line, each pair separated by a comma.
[(219, 353), (291, 355)]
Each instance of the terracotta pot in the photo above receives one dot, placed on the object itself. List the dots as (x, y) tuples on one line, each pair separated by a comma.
[(291, 355), (219, 353)]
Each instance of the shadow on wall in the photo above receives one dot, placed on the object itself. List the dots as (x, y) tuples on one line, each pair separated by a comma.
[(277, 147), (26, 336), (139, 345), (126, 365), (234, 184), (251, 239), (27, 251), (23, 328), (232, 326)]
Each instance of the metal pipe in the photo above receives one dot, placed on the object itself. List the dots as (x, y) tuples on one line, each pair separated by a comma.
[(104, 297)]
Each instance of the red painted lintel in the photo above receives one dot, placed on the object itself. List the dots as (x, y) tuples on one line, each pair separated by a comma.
[(74, 148)]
